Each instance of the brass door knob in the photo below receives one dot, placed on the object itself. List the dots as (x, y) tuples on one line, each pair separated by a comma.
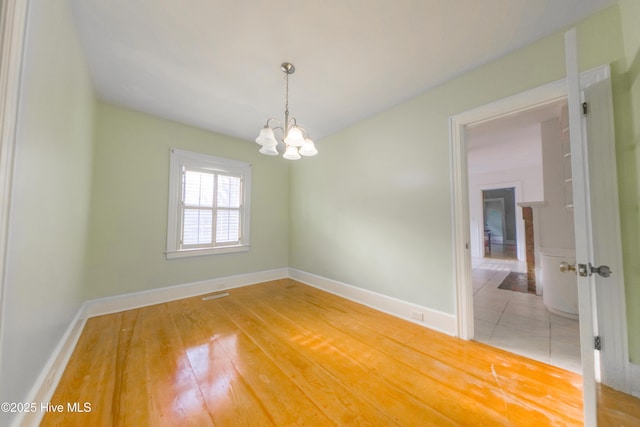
[(565, 266)]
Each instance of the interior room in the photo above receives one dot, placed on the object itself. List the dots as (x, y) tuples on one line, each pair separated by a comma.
[(214, 209), (518, 162)]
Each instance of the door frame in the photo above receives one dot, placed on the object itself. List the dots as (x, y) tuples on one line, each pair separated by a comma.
[(502, 214), (13, 22), (524, 101), (479, 238), (545, 94)]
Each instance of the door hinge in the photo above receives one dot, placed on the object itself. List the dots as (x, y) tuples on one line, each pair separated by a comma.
[(597, 344), (585, 108)]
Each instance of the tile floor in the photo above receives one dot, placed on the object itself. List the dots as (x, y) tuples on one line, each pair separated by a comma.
[(519, 322)]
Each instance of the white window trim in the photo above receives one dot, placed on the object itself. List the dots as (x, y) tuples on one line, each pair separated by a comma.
[(180, 158)]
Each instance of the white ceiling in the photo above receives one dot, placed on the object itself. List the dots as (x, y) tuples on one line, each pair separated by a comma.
[(509, 142), (216, 64)]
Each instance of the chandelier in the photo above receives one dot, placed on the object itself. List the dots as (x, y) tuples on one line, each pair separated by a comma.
[(295, 139)]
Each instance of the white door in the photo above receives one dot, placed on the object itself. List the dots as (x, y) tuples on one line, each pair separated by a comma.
[(597, 231)]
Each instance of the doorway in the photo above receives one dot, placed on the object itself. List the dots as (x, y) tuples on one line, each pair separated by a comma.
[(605, 301), (499, 219), (524, 148)]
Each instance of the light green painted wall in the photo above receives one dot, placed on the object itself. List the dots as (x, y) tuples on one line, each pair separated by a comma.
[(129, 206), (374, 208), (627, 115), (50, 199)]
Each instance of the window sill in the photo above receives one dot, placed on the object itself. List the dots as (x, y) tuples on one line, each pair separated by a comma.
[(186, 253)]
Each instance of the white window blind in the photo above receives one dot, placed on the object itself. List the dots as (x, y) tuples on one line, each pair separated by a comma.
[(228, 209), (208, 207), (197, 212)]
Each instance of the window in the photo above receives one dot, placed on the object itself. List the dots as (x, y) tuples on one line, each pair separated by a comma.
[(208, 205)]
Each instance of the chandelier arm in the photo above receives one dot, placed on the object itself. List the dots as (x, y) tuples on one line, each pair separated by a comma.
[(274, 128), (274, 119)]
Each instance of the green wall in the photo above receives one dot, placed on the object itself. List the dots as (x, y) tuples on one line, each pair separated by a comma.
[(374, 208), (128, 224), (49, 201), (627, 116)]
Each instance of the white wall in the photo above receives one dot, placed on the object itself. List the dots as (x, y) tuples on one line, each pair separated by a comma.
[(50, 198), (501, 155), (555, 219)]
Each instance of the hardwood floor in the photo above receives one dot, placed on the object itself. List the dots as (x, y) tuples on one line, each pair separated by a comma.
[(501, 251), (283, 353)]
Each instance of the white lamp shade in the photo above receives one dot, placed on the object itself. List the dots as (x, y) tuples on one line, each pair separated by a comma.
[(266, 137), (291, 153), (294, 137), (269, 150), (308, 148)]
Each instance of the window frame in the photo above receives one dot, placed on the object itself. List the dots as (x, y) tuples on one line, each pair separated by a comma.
[(181, 159)]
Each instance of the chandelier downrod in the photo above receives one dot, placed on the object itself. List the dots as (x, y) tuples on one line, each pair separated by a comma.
[(287, 68)]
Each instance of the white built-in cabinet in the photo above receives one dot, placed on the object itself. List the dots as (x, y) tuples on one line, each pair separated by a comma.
[(565, 148)]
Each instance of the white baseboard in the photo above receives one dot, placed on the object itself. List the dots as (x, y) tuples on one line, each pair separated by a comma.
[(133, 300), (52, 371), (432, 319), (47, 382), (48, 379), (634, 374)]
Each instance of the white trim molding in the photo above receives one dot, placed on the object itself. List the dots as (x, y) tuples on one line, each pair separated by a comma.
[(614, 309), (521, 250), (433, 319), (13, 21), (512, 105), (183, 162), (47, 381), (115, 304)]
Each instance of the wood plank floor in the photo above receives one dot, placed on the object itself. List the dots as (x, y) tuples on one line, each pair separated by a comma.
[(285, 354)]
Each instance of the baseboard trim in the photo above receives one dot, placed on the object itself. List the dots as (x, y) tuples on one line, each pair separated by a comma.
[(134, 300), (47, 381), (432, 319), (50, 375)]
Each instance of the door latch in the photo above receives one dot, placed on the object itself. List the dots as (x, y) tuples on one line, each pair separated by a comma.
[(586, 270), (583, 271)]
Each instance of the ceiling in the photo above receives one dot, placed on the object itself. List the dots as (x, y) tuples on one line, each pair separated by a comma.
[(510, 142), (216, 64)]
